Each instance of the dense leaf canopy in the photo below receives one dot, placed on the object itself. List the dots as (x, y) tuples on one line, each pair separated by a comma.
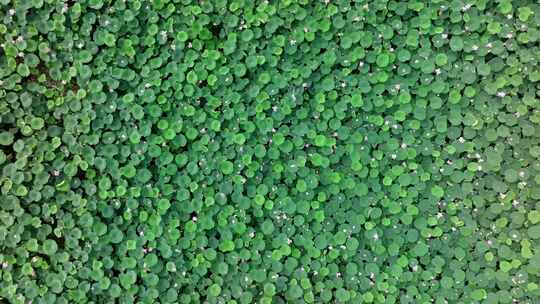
[(282, 151)]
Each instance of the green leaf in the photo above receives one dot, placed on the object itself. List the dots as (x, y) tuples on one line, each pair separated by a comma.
[(534, 232), (226, 167), (437, 191), (6, 138), (214, 290), (534, 216), (226, 246), (478, 294)]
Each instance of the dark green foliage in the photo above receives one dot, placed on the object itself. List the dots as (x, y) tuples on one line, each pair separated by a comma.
[(233, 151)]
